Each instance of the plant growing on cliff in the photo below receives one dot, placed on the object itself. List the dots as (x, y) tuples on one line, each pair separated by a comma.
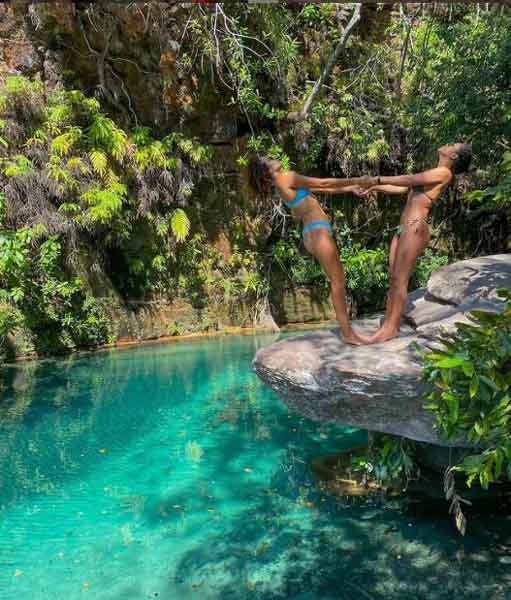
[(471, 394), (70, 168), (36, 292), (88, 173)]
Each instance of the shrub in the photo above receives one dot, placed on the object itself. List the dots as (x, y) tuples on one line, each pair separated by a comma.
[(471, 394)]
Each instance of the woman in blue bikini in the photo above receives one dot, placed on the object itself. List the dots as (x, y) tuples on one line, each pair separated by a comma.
[(296, 192)]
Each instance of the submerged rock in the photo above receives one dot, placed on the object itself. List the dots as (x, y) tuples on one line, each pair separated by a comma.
[(380, 387)]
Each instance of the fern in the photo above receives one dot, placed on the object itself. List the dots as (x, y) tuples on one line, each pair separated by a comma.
[(162, 227), (70, 208), (62, 144), (57, 117), (154, 155), (119, 144), (3, 141), (99, 161), (142, 136), (17, 84), (19, 165), (159, 263), (105, 203), (104, 133), (75, 163), (39, 137), (196, 152), (180, 224), (61, 175), (100, 130)]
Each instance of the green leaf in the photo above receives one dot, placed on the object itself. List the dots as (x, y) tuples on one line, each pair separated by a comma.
[(99, 161), (474, 386), (490, 383), (180, 224), (450, 362)]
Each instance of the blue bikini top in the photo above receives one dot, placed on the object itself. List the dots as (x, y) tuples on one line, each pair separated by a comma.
[(301, 194)]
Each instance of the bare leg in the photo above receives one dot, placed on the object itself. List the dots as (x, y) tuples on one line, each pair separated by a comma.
[(393, 252), (411, 244), (321, 245), (394, 245)]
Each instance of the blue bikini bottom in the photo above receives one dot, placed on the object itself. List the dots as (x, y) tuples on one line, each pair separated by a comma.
[(317, 225)]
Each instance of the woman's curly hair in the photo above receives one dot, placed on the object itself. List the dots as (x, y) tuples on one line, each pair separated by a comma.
[(463, 160), (259, 176)]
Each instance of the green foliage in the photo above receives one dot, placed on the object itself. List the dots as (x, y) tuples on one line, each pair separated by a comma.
[(110, 182), (316, 15), (264, 144), (471, 382), (366, 275), (496, 197), (426, 265), (35, 292), (180, 224), (366, 269), (460, 88), (104, 202), (96, 165), (9, 320), (16, 166), (389, 460), (176, 329)]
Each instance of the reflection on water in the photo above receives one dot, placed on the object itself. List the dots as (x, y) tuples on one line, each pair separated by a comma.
[(170, 471)]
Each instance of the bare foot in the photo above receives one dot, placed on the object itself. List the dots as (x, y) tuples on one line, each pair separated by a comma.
[(354, 339), (384, 335)]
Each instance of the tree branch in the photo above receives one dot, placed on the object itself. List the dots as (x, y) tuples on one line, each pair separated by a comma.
[(409, 21), (355, 18)]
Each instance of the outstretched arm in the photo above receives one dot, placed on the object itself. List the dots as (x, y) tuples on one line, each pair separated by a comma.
[(436, 176), (349, 189), (391, 190), (330, 185)]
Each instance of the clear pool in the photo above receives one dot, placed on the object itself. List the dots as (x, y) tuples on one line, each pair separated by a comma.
[(171, 472)]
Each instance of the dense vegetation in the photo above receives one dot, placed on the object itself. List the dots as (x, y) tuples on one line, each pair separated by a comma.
[(95, 180), (471, 382), (82, 178)]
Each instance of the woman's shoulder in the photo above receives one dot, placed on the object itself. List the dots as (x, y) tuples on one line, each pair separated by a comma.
[(285, 178)]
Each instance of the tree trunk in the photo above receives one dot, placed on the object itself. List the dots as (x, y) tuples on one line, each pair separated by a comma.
[(355, 18)]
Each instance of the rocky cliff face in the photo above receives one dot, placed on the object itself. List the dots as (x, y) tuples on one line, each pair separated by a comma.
[(132, 59), (379, 387)]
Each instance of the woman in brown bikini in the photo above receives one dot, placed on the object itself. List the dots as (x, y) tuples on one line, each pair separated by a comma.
[(412, 235), (265, 175)]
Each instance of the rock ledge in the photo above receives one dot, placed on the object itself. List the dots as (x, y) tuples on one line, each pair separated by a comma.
[(379, 387)]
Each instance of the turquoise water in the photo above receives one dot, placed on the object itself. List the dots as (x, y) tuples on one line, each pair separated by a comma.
[(171, 472)]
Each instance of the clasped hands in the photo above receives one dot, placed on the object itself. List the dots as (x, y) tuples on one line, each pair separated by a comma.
[(364, 186)]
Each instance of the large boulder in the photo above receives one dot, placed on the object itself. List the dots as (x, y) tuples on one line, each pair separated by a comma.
[(380, 387), (374, 387), (471, 280), (422, 308)]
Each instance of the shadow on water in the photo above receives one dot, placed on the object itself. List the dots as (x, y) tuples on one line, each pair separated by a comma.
[(56, 415), (351, 550), (206, 475)]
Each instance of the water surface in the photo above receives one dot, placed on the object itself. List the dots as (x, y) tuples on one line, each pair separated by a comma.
[(171, 472)]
